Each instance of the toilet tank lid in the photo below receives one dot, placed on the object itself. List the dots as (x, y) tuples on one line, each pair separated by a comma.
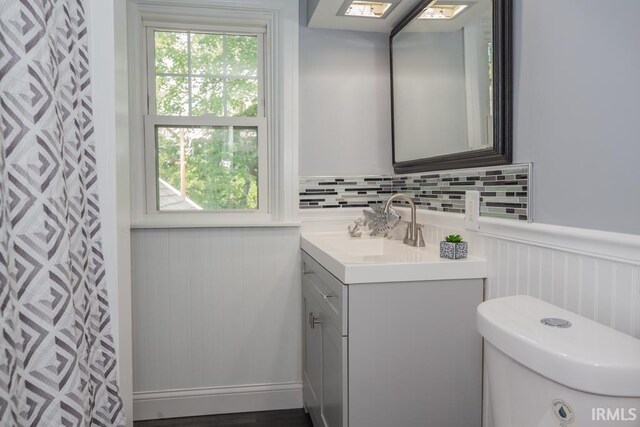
[(587, 356)]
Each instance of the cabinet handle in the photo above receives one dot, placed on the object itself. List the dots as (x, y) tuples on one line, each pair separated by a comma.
[(327, 296), (313, 321)]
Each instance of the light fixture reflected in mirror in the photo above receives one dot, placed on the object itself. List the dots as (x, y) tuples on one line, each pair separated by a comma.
[(442, 11)]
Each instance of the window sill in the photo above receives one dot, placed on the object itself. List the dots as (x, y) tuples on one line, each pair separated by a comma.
[(169, 224)]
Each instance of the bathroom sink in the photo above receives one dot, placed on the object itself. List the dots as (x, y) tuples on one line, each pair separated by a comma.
[(375, 259), (363, 248)]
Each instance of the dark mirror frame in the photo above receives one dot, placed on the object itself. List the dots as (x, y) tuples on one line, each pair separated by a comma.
[(502, 151)]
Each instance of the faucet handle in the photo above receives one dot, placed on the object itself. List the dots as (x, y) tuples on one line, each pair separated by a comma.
[(419, 238)]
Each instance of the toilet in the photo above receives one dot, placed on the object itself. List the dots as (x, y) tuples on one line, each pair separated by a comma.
[(546, 366)]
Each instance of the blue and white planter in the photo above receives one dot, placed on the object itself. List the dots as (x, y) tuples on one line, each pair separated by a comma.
[(450, 250)]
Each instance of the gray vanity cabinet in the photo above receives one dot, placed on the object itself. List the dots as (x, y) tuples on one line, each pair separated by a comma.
[(333, 384), (312, 350), (324, 347), (391, 354)]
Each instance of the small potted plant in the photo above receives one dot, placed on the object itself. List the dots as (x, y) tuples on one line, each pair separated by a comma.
[(453, 247)]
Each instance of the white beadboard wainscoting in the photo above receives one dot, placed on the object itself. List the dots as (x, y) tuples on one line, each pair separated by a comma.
[(593, 273), (216, 320), (217, 311)]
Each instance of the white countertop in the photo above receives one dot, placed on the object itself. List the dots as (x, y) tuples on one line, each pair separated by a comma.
[(354, 260)]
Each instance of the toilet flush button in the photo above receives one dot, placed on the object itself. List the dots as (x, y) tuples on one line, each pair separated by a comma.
[(555, 322), (563, 412)]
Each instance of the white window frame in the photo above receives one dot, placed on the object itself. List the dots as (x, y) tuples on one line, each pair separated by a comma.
[(275, 21)]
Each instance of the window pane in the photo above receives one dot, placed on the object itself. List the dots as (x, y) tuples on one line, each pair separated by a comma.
[(242, 98), (242, 55), (171, 52), (207, 54), (207, 168), (206, 73), (208, 96), (172, 96)]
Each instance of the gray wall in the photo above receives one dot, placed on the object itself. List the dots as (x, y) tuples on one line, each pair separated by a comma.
[(577, 110), (345, 126)]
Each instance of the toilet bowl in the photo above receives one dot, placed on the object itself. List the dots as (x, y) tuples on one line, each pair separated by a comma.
[(549, 367)]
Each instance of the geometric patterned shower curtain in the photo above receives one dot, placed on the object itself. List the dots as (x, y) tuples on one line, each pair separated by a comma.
[(57, 357)]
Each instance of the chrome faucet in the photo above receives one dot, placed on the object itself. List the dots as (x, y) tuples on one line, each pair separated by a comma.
[(414, 231)]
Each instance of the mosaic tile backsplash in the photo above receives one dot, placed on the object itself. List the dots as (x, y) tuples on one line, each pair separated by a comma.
[(504, 190)]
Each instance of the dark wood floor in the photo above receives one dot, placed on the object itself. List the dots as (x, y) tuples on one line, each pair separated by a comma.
[(288, 418)]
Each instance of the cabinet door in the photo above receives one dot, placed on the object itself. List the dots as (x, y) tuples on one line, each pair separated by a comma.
[(312, 356), (332, 401)]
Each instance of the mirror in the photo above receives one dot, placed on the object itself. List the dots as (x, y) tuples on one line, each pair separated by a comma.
[(451, 86)]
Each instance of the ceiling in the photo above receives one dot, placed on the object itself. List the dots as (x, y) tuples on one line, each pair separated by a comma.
[(323, 14)]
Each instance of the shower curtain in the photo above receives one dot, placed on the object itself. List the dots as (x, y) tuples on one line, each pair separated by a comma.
[(57, 356)]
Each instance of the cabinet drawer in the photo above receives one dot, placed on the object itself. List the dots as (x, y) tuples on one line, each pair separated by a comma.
[(331, 294)]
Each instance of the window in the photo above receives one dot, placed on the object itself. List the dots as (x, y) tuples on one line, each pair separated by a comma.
[(213, 112), (206, 120)]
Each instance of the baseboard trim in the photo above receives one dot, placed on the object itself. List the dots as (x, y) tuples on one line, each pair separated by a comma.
[(216, 400)]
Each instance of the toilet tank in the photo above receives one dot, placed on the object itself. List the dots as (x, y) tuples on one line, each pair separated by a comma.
[(580, 354)]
